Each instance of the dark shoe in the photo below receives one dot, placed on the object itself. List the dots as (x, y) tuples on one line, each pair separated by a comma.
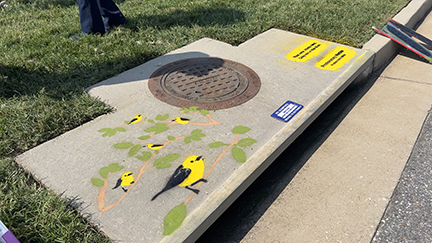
[(110, 26), (76, 37)]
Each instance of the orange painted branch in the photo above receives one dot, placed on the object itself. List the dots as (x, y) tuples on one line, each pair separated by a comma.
[(214, 164), (213, 122), (102, 195)]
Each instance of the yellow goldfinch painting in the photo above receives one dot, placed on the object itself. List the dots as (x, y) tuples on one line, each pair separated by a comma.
[(136, 119), (155, 146), (125, 180), (189, 173), (181, 120)]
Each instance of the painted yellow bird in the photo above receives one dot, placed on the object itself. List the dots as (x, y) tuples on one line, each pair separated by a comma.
[(136, 119), (181, 120), (189, 173), (125, 180), (154, 146)]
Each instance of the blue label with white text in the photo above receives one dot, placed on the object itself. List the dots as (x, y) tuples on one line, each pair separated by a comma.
[(287, 111)]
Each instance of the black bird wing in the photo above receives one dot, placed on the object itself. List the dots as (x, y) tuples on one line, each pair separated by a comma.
[(119, 181), (180, 174), (133, 120)]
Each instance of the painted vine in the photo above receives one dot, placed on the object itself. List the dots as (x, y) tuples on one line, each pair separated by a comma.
[(159, 125)]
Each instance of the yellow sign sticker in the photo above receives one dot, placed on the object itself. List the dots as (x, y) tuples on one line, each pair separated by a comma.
[(336, 58), (306, 51)]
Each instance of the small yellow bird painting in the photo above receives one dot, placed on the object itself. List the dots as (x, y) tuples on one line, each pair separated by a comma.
[(181, 120), (189, 173), (136, 119), (154, 146), (125, 180)]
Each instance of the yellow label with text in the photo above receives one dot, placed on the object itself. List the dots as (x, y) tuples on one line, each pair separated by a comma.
[(306, 51), (336, 58)]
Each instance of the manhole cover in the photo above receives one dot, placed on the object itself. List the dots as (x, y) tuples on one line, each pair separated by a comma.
[(209, 83)]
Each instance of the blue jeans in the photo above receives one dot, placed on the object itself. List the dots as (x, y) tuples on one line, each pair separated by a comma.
[(91, 13)]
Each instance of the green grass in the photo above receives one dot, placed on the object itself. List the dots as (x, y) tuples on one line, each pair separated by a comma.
[(43, 74)]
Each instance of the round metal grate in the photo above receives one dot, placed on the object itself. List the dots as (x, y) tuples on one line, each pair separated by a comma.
[(209, 83)]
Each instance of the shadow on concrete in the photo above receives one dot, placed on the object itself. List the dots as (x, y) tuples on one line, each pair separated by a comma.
[(407, 53), (203, 16), (243, 214), (145, 74)]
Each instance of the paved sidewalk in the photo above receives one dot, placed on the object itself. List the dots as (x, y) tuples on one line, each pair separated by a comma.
[(408, 217), (360, 172)]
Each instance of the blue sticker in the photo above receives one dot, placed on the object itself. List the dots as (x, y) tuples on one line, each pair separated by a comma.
[(287, 111)]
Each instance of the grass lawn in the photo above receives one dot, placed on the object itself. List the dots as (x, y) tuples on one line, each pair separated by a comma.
[(43, 74)]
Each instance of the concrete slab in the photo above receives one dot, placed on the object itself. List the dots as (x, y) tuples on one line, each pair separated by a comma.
[(343, 190), (237, 143)]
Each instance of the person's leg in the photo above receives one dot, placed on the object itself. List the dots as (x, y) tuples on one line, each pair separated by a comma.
[(111, 13), (90, 17)]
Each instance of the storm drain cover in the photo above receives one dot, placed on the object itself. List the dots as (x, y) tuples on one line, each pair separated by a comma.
[(208, 83)]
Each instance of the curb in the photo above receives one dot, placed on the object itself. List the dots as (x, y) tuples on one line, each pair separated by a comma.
[(383, 47)]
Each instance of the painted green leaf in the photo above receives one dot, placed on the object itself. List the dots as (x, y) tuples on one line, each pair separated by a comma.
[(170, 157), (163, 165), (120, 129), (111, 132), (145, 156), (158, 161), (197, 135), (151, 129), (97, 182), (174, 219), (151, 121), (246, 142), (114, 167), (160, 165), (193, 108), (156, 151), (187, 140), (161, 125), (238, 154), (204, 112), (104, 172), (134, 150), (196, 132), (108, 132), (161, 130), (240, 130), (144, 137), (185, 110), (161, 118), (217, 144), (171, 138), (125, 145)]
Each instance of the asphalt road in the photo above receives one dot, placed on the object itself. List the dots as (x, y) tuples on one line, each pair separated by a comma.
[(408, 215)]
